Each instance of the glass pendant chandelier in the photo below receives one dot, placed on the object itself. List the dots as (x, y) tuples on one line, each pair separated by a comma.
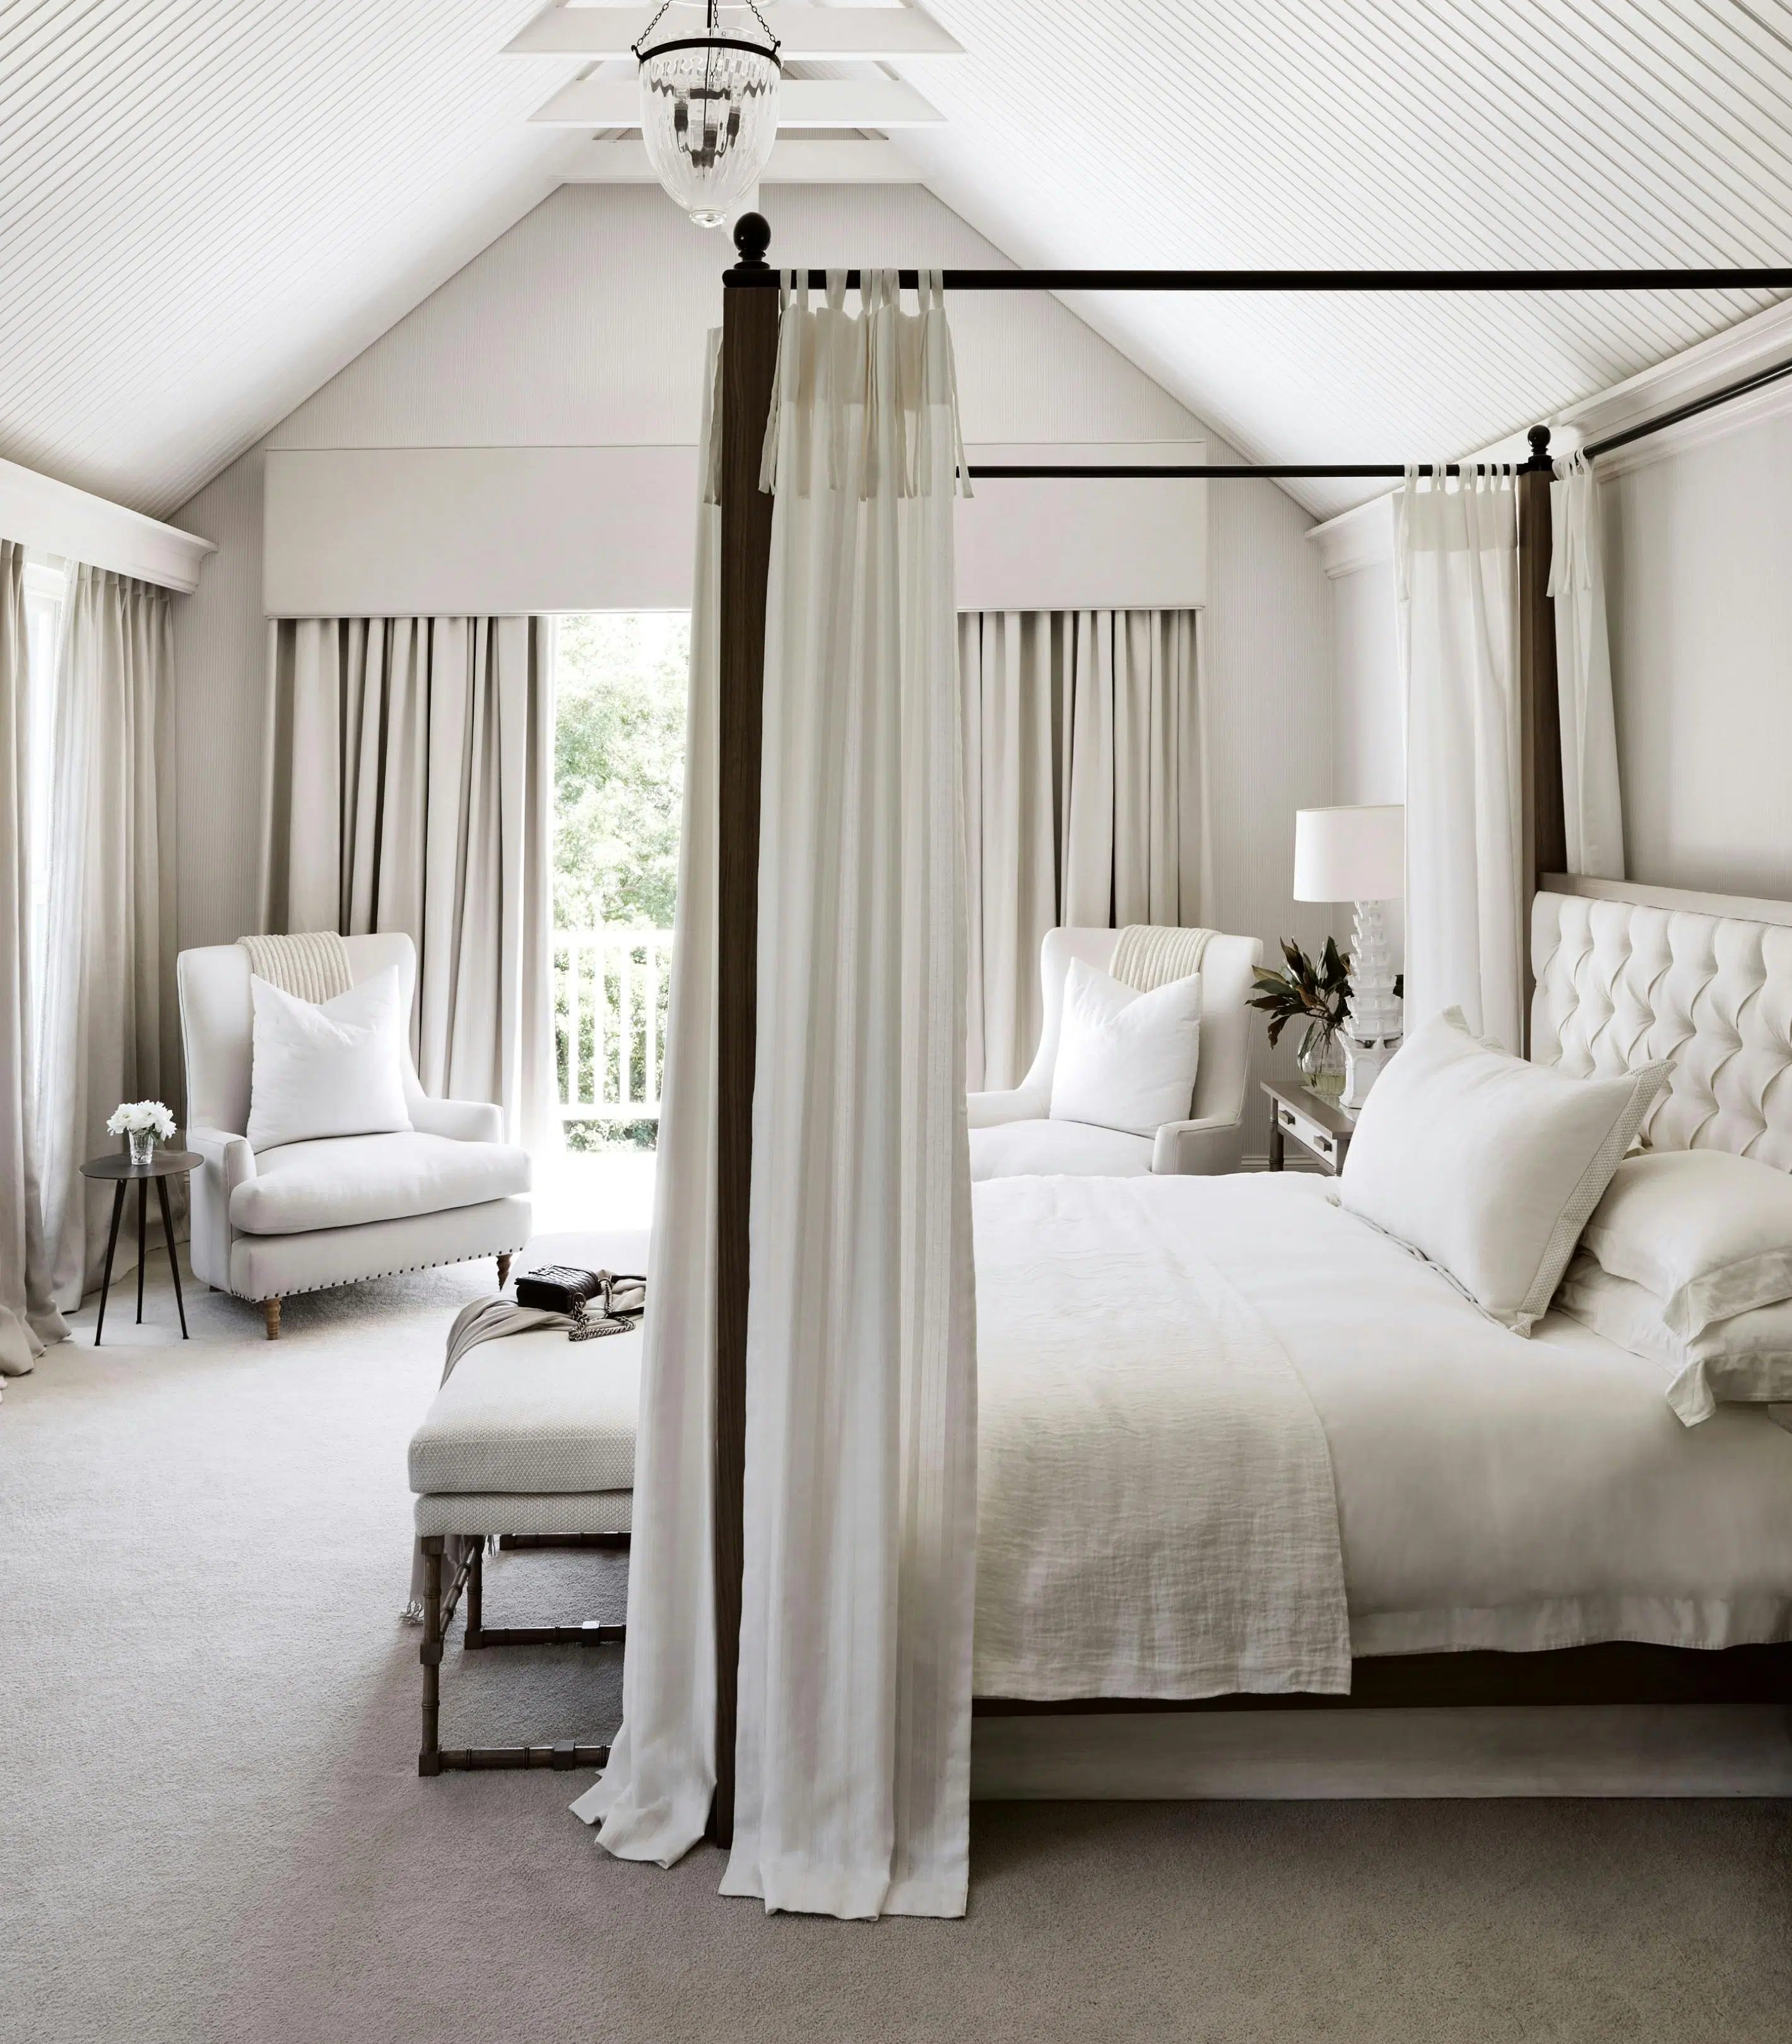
[(708, 110)]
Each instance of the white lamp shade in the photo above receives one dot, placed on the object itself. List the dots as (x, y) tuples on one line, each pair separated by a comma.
[(1351, 854)]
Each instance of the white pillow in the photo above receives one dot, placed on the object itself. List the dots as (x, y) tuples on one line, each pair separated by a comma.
[(1709, 1233), (334, 1068), (1746, 1360), (1125, 1059), (1489, 1166)]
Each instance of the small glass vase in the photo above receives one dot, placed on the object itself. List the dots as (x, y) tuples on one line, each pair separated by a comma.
[(1321, 1060), (143, 1145)]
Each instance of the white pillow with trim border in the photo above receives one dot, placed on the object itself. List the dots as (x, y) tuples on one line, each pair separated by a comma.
[(1125, 1059), (1489, 1166), (1708, 1232), (332, 1068), (1746, 1360)]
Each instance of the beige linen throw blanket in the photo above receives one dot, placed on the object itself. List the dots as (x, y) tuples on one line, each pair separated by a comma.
[(1150, 955), (1156, 1513), (312, 966)]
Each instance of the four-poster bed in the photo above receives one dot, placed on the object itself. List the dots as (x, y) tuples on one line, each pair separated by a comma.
[(1620, 1671)]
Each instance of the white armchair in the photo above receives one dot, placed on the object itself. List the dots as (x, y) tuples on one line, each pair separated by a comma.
[(1012, 1134), (306, 1215)]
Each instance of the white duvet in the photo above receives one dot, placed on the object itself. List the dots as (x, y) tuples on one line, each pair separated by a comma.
[(1179, 1378), (1155, 1516)]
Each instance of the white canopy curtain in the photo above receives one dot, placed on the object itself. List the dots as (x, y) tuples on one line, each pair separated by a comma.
[(109, 1027), (408, 786), (1456, 581), (854, 1737), (28, 1317), (1085, 799), (653, 1798), (854, 1748), (1592, 808)]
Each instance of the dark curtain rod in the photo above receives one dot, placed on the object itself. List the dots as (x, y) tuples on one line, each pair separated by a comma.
[(1211, 471), (1271, 471), (757, 276)]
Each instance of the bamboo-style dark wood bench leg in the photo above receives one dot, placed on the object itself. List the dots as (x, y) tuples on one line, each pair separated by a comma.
[(429, 1754), (439, 1603)]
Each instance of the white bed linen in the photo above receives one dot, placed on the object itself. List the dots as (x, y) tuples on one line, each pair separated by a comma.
[(1155, 1516), (1491, 1491)]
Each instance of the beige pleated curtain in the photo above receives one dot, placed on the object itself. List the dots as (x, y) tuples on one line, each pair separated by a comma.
[(1085, 799), (28, 1317), (110, 1027), (408, 786)]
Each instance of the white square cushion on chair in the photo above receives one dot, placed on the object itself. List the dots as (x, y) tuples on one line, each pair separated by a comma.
[(1058, 1149), (533, 1414), (346, 1181), (334, 1068), (1126, 1060)]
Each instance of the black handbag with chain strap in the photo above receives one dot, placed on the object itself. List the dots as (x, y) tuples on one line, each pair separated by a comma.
[(618, 1296)]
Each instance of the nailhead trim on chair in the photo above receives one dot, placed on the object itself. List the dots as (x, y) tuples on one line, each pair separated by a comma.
[(367, 1276)]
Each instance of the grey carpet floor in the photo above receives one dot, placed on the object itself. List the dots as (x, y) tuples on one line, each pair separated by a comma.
[(211, 1827)]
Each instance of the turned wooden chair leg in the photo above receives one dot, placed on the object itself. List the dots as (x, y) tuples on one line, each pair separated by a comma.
[(271, 1313), (503, 1271)]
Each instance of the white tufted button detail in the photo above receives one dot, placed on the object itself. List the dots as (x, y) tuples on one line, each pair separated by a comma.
[(1619, 985)]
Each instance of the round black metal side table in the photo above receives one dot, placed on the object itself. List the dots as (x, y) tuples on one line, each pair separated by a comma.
[(163, 1164)]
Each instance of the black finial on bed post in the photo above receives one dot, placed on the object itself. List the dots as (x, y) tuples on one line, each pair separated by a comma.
[(1539, 438), (753, 236)]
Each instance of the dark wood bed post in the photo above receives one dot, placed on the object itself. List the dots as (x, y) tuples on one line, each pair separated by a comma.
[(1544, 829), (749, 362)]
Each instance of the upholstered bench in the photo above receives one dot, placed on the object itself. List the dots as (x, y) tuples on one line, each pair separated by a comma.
[(530, 1442)]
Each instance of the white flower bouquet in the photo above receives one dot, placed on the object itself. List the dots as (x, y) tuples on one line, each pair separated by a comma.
[(144, 1122)]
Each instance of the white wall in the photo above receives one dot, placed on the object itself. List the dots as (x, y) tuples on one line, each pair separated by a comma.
[(1698, 569), (583, 326)]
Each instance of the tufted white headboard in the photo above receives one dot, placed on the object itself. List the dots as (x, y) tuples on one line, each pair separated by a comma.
[(1628, 974)]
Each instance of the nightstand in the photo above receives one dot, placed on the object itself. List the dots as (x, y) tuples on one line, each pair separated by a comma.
[(1320, 1126)]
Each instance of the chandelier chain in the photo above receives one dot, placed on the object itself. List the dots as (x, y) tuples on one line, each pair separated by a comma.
[(714, 26)]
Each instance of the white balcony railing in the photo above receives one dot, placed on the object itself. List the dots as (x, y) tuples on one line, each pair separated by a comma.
[(609, 1022)]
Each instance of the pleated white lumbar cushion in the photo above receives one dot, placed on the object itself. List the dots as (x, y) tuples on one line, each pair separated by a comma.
[(1489, 1166), (1125, 1059), (334, 1068)]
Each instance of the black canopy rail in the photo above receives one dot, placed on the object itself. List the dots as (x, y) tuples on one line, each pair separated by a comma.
[(758, 276), (1210, 472), (1271, 471)]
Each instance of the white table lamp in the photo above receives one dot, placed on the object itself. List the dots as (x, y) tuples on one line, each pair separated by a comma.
[(1360, 855)]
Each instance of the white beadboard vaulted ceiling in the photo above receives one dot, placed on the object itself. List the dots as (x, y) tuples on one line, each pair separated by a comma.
[(207, 206)]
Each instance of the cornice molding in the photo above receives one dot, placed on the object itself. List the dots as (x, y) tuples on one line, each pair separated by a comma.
[(55, 518), (1759, 342), (1360, 538)]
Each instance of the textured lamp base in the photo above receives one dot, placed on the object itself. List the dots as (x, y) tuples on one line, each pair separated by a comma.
[(1374, 1009), (1362, 1066)]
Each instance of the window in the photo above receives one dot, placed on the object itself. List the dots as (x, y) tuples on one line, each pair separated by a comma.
[(620, 685)]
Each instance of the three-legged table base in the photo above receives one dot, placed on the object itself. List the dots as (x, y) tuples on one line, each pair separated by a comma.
[(112, 1244)]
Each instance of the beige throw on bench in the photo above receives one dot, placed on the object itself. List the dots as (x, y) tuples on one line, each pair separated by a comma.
[(312, 966), (1151, 954)]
